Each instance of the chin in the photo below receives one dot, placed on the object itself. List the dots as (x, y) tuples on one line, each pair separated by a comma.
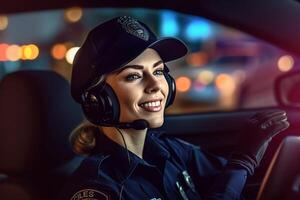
[(155, 123)]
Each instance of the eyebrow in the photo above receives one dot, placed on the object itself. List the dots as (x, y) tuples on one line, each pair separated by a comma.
[(139, 66)]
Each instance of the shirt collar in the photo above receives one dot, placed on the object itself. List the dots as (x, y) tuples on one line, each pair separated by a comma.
[(154, 154)]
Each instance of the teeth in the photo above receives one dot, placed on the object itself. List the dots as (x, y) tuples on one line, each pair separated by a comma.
[(151, 104)]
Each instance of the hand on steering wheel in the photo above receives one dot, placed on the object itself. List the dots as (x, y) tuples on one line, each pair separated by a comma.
[(259, 130)]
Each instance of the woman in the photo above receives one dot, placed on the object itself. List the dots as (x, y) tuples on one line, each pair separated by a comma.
[(121, 80)]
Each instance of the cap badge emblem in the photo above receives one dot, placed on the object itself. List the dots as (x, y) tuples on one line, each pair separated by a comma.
[(133, 27)]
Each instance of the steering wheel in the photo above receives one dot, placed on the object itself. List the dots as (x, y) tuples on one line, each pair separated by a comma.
[(282, 179)]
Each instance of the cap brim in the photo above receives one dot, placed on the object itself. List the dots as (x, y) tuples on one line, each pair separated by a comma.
[(169, 48)]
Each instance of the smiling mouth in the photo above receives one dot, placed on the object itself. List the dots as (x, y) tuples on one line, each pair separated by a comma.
[(152, 106)]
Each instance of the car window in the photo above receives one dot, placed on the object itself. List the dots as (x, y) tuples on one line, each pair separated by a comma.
[(224, 70)]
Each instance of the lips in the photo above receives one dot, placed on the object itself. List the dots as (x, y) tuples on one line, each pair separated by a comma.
[(152, 105)]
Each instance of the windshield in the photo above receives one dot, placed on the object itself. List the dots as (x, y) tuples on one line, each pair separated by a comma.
[(224, 70)]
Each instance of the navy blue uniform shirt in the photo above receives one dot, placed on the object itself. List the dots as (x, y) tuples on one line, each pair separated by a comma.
[(170, 169)]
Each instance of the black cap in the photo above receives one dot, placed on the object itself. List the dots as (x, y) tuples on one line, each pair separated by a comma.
[(113, 44)]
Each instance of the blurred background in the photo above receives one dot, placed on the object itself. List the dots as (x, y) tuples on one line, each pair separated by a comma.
[(224, 70)]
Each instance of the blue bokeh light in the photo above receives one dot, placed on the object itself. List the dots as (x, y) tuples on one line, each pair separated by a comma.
[(169, 25), (198, 29)]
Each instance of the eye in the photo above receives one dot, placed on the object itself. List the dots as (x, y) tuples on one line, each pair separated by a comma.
[(132, 77), (159, 72)]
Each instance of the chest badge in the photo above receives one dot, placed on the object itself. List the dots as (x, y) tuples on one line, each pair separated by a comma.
[(188, 180), (87, 194)]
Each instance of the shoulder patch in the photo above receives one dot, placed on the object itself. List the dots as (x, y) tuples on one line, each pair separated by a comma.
[(88, 194)]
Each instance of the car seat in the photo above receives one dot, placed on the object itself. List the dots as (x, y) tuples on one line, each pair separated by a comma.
[(37, 114)]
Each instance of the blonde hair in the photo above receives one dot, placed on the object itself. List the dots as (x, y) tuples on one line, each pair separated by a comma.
[(83, 138)]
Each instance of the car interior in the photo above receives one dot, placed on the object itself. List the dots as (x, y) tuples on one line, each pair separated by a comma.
[(35, 154), (29, 158), (283, 172)]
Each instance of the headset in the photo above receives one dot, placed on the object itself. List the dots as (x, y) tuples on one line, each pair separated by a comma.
[(101, 106)]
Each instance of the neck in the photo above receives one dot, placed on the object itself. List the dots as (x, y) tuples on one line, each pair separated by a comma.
[(134, 139)]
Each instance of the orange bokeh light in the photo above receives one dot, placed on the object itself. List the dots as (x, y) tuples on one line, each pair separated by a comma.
[(3, 48), (183, 83), (3, 22), (286, 63), (59, 51), (197, 59), (73, 14), (226, 84)]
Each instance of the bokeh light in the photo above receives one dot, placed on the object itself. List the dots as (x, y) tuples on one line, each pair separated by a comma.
[(3, 22), (205, 77), (226, 84), (73, 14), (3, 48), (58, 51), (169, 25), (198, 29), (14, 53), (71, 54), (285, 63), (197, 59), (35, 51), (26, 52), (30, 52), (183, 83)]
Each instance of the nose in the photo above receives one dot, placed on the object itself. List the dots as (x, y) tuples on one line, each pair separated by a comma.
[(152, 84)]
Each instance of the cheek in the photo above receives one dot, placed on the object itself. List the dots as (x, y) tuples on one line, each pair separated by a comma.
[(128, 98)]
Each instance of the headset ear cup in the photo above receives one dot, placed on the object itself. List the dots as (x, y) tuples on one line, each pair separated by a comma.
[(92, 106), (172, 89), (101, 105), (112, 104)]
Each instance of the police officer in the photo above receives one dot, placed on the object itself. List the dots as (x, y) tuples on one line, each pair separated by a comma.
[(122, 82)]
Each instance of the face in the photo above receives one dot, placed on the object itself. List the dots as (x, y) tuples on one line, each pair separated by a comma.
[(141, 88)]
